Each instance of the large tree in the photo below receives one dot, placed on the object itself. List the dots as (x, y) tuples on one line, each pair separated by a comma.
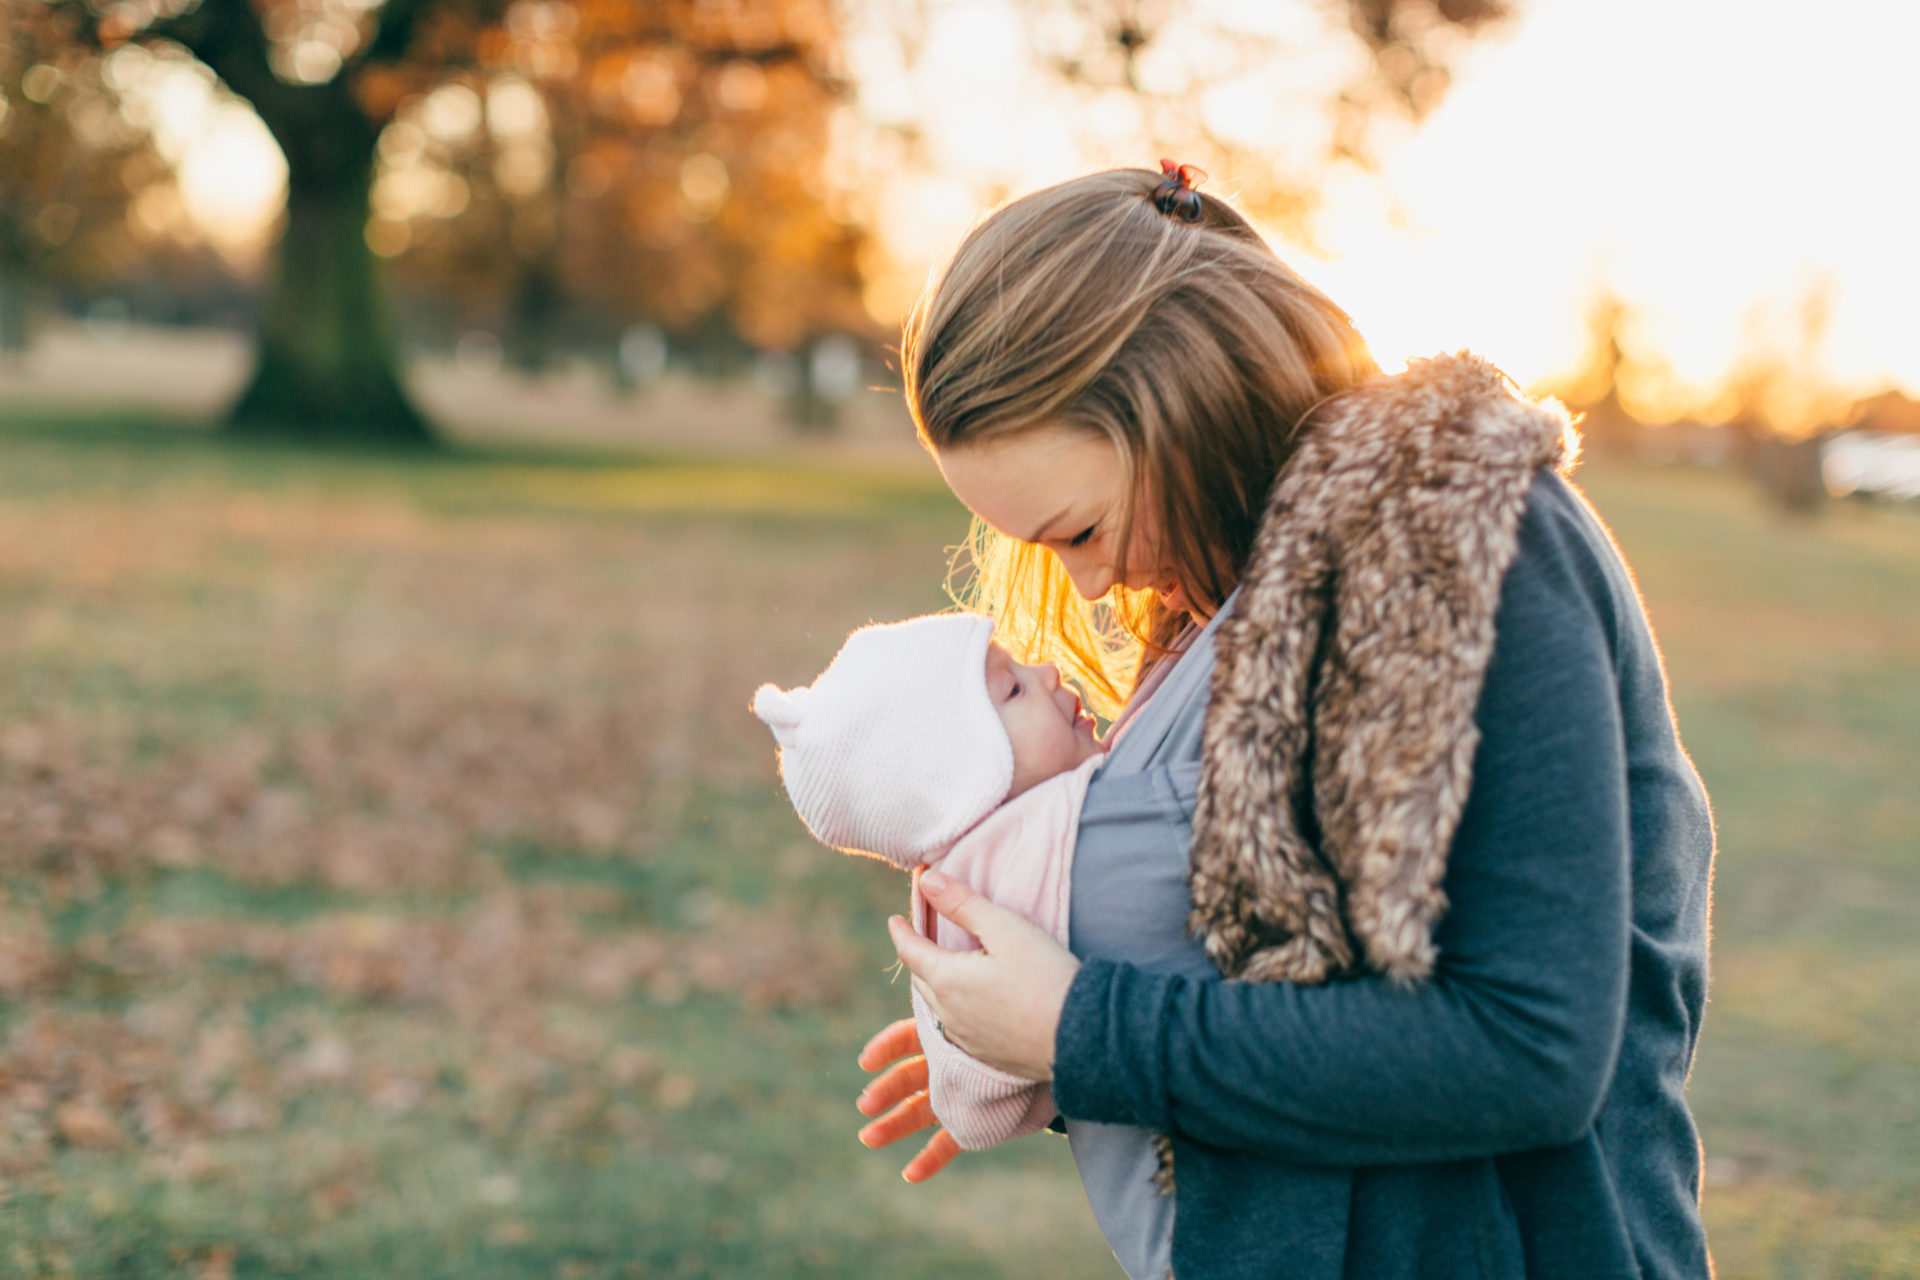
[(326, 358), (330, 80)]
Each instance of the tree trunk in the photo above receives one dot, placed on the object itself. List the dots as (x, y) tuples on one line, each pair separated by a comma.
[(16, 301), (327, 356), (326, 359), (534, 314)]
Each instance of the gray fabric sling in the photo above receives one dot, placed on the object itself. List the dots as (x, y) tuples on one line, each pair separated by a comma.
[(1130, 904)]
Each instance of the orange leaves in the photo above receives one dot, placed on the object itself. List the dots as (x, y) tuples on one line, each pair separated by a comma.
[(379, 89), (680, 146), (86, 1124), (493, 47)]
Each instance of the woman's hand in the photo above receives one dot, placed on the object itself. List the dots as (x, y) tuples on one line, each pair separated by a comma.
[(1001, 1003), (904, 1089)]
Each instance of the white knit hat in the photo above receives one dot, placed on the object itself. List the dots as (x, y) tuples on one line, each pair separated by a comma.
[(896, 749)]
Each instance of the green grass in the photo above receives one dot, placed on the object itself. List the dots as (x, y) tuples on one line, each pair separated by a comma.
[(392, 881)]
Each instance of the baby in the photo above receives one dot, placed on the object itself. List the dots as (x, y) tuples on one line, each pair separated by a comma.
[(921, 743)]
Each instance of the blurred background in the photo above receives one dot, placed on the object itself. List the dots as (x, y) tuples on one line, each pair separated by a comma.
[(423, 423)]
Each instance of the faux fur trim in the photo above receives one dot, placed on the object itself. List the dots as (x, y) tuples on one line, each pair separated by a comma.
[(1340, 739)]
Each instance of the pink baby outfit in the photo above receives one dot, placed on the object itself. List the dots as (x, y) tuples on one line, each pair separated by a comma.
[(1020, 857), (896, 750)]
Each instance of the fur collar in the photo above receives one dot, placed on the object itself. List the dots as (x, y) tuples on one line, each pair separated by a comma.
[(1340, 738)]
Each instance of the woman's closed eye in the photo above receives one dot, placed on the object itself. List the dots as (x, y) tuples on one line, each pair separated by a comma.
[(1080, 539)]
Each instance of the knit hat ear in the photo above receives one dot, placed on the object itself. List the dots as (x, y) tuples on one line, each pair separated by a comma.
[(896, 748), (779, 711)]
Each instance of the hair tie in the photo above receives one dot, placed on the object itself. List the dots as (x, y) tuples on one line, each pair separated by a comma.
[(1175, 196)]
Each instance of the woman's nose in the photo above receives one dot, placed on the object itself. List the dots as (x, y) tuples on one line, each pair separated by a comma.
[(1087, 577)]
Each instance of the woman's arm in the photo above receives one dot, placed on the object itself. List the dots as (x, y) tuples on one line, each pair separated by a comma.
[(1511, 1044)]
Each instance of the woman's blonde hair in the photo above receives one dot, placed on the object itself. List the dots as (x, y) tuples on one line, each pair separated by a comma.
[(1190, 346)]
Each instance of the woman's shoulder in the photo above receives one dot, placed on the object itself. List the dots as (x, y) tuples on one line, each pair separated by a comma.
[(1559, 522), (1566, 570)]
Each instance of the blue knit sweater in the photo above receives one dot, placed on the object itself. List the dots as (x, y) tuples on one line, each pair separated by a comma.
[(1522, 1112)]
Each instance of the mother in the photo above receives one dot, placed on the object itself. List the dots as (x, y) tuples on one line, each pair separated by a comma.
[(1439, 835)]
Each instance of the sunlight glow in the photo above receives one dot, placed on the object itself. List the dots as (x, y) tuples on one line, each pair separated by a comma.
[(1716, 178), (232, 177)]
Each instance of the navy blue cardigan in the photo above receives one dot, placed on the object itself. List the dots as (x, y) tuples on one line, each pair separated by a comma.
[(1522, 1112)]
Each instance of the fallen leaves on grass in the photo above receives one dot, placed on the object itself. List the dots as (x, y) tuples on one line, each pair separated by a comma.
[(86, 1123), (515, 945), (396, 797), (226, 714), (168, 1073)]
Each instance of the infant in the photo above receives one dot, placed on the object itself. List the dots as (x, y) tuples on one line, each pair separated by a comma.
[(923, 742)]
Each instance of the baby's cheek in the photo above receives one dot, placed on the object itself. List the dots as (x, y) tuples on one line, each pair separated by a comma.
[(1069, 750)]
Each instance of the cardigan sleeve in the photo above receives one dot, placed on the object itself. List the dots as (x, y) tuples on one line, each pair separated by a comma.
[(1511, 1043)]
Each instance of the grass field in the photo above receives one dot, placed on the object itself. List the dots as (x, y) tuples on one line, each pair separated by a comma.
[(396, 885)]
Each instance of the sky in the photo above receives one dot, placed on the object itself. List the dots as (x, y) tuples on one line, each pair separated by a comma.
[(1726, 169), (1715, 165)]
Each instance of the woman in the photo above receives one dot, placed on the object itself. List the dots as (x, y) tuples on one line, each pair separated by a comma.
[(1443, 839)]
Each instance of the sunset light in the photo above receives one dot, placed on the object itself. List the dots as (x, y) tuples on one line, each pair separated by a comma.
[(1714, 178), (232, 177), (1714, 166)]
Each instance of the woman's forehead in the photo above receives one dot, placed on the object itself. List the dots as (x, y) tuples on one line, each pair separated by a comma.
[(1025, 483)]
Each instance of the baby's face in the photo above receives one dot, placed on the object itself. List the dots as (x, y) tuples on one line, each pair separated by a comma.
[(1049, 731)]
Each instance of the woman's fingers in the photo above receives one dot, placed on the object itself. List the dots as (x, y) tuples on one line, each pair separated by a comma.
[(902, 1081), (911, 1116), (922, 956), (896, 1041), (962, 904), (1001, 1003), (935, 1156)]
